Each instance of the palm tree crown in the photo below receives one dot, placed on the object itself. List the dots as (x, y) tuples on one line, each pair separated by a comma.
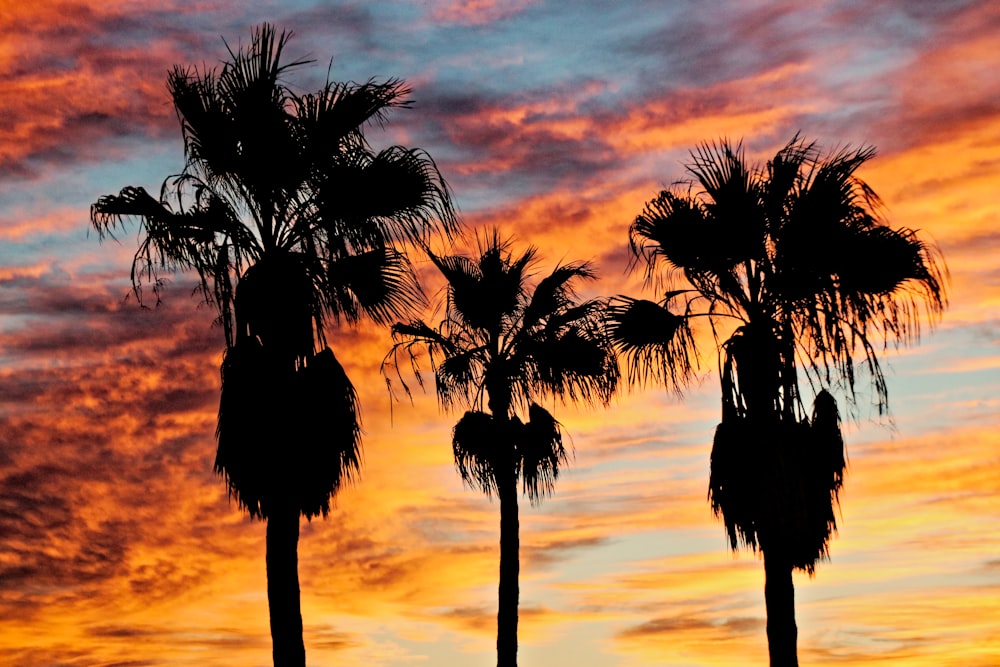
[(501, 347), (292, 224), (796, 255), (291, 221)]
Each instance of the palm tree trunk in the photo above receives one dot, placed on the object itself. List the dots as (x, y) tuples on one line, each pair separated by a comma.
[(509, 571), (283, 587), (779, 598)]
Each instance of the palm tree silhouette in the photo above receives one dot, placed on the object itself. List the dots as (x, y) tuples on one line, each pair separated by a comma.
[(293, 224), (796, 256), (500, 347)]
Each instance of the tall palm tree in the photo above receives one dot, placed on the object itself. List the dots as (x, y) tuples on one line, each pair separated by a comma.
[(794, 254), (293, 224), (501, 347)]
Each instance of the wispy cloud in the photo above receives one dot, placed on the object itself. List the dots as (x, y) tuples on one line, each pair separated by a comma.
[(555, 123)]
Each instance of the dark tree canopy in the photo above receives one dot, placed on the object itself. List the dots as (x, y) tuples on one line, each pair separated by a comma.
[(292, 224), (801, 279), (501, 347)]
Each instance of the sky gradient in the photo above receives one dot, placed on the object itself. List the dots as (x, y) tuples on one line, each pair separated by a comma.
[(556, 122)]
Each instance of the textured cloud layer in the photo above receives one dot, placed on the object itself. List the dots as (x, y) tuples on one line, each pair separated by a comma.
[(556, 123)]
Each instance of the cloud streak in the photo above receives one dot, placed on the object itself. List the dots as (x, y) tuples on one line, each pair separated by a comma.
[(118, 545)]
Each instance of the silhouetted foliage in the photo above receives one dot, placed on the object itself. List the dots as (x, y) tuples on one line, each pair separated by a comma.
[(796, 255), (293, 224), (501, 347)]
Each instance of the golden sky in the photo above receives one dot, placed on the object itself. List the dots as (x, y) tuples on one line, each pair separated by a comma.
[(556, 122)]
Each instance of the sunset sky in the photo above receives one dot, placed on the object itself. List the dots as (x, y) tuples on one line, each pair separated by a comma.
[(555, 121)]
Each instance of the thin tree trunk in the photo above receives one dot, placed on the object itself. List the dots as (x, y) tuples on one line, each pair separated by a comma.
[(779, 598), (283, 587), (509, 571)]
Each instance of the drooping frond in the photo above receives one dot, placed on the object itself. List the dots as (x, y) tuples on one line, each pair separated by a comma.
[(247, 417), (540, 452), (478, 445), (458, 377), (775, 483), (734, 486), (327, 433), (829, 456), (198, 239), (657, 344), (287, 432)]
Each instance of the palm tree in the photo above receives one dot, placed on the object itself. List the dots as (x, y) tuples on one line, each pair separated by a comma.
[(500, 348), (796, 256), (293, 224)]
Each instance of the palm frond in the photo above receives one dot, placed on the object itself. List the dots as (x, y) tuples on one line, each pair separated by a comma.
[(237, 127), (785, 174), (881, 259), (572, 357), (733, 203), (478, 448), (395, 196), (540, 452), (257, 68), (286, 432), (657, 344), (378, 283), (420, 332), (485, 291), (459, 376), (734, 486), (210, 136), (555, 292), (337, 113), (673, 227), (169, 240), (410, 339)]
